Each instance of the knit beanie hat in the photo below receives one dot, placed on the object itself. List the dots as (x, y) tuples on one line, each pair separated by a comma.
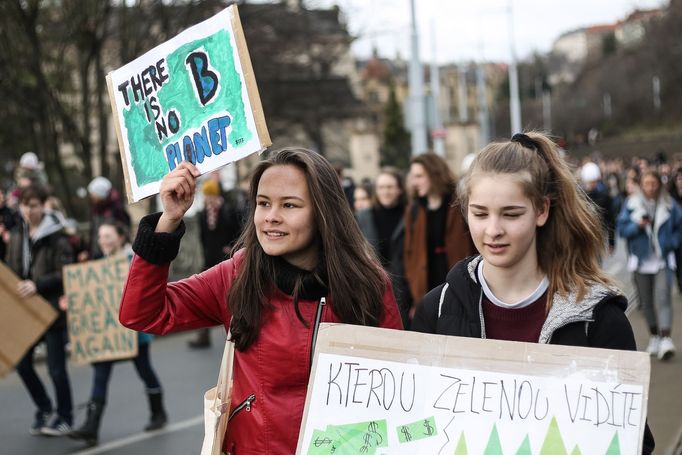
[(29, 160), (590, 172), (100, 187), (211, 188)]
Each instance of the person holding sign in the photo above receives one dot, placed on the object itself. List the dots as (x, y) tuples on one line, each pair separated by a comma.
[(112, 239), (301, 260), (38, 249), (537, 278)]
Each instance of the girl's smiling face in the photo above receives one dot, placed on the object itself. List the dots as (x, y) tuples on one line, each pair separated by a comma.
[(284, 216), (503, 221)]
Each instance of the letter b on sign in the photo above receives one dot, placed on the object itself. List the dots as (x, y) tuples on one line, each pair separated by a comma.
[(205, 80)]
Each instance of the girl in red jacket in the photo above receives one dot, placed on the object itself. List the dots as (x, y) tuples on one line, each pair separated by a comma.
[(300, 260)]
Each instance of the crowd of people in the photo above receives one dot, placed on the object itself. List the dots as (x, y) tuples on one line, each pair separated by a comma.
[(511, 248)]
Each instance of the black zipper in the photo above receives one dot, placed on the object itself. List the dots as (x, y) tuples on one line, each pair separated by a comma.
[(246, 404), (318, 318)]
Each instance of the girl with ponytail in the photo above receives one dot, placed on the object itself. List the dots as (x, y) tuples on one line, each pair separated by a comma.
[(537, 278)]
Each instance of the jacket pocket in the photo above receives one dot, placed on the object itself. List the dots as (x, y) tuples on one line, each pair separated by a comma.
[(243, 406)]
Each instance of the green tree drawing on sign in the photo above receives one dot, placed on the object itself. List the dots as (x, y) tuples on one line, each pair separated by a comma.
[(614, 447), (461, 448), (525, 447), (494, 446), (554, 444)]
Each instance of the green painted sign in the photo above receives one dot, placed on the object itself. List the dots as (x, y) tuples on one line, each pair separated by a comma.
[(192, 98)]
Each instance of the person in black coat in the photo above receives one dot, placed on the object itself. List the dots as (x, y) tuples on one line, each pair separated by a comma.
[(383, 225), (590, 175), (8, 219), (219, 227), (38, 250)]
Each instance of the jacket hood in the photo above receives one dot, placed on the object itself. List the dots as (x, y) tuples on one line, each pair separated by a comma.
[(48, 226), (637, 206), (565, 308)]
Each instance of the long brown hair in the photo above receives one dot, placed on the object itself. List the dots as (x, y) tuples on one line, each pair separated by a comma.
[(573, 239), (442, 179), (355, 278)]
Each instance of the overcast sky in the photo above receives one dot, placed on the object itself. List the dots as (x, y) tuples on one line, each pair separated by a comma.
[(473, 29)]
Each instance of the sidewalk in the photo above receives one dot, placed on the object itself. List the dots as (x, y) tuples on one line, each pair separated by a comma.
[(665, 390)]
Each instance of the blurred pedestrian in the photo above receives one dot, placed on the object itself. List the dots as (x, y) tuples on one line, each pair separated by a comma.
[(675, 190), (537, 278), (651, 221), (29, 172), (436, 235), (347, 184), (304, 261), (362, 197), (105, 204), (38, 250), (112, 238), (8, 219), (590, 176), (383, 225), (219, 229), (616, 191)]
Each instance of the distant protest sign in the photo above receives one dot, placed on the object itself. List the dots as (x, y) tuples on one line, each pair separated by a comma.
[(23, 321), (193, 98), (378, 391), (93, 291)]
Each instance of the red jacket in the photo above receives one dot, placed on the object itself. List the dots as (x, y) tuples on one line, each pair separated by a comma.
[(275, 368)]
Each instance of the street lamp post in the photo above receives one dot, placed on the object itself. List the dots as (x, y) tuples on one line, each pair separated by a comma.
[(416, 88), (514, 101)]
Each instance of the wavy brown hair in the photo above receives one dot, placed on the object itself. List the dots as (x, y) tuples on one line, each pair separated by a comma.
[(356, 281), (571, 242), (442, 179)]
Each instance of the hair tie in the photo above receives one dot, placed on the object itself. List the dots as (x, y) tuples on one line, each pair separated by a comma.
[(525, 141)]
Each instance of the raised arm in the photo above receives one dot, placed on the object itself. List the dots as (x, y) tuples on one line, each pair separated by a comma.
[(152, 305), (149, 303)]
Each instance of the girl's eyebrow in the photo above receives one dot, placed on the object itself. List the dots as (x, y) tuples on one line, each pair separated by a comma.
[(506, 207), (282, 197)]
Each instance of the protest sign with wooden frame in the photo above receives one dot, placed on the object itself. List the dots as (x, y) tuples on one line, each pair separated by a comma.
[(23, 321), (380, 391), (93, 291), (193, 98)]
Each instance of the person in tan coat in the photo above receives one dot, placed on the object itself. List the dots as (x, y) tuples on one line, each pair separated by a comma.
[(436, 234)]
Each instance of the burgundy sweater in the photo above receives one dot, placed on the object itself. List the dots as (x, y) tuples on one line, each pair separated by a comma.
[(522, 324)]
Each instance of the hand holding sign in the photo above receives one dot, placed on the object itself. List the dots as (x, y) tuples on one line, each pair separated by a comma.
[(177, 194), (26, 288), (192, 98)]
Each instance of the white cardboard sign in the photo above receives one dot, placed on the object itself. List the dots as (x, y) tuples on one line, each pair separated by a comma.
[(379, 391)]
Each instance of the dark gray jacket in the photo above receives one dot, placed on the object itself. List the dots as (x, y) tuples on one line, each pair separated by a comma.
[(42, 258), (396, 267)]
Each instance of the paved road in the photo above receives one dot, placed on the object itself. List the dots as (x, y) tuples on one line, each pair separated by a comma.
[(665, 390), (186, 374)]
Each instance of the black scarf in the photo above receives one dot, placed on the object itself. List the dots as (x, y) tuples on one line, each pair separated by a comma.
[(314, 284)]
